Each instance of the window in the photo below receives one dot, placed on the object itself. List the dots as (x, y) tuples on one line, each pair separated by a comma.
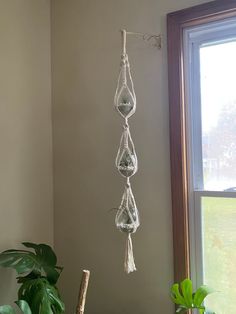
[(202, 94), (210, 78)]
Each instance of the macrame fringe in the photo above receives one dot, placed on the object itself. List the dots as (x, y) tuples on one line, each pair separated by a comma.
[(129, 256)]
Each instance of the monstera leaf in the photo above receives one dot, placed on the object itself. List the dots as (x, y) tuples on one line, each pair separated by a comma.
[(23, 305), (42, 297), (38, 273), (40, 262), (183, 296), (7, 309)]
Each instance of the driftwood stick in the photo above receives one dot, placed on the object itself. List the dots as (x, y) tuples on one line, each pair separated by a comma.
[(82, 293)]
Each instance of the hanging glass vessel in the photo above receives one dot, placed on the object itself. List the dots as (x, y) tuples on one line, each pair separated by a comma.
[(125, 99), (126, 159), (127, 217)]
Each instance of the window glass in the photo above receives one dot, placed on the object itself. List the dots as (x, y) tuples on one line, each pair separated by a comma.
[(219, 252), (218, 110)]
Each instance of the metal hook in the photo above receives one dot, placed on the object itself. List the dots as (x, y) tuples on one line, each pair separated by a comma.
[(156, 39)]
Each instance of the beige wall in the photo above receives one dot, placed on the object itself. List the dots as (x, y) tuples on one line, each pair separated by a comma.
[(86, 130), (25, 129)]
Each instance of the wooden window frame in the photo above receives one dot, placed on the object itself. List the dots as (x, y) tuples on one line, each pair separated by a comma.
[(176, 23)]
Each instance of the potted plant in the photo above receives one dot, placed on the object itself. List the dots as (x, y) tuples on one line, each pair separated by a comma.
[(186, 299), (38, 274)]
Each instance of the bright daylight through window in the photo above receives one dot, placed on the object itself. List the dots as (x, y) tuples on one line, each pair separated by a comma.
[(218, 99), (210, 71)]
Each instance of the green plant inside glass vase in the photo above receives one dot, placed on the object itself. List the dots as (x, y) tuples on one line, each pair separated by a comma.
[(182, 294), (38, 274)]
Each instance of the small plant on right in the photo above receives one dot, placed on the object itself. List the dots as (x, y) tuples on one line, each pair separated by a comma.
[(182, 294)]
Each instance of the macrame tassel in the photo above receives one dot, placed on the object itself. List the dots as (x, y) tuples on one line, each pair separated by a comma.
[(129, 256)]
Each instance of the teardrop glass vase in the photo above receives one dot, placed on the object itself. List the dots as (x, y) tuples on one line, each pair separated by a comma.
[(125, 103), (127, 217), (126, 159), (125, 99)]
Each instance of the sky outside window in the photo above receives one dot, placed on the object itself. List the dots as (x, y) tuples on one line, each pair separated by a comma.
[(218, 106)]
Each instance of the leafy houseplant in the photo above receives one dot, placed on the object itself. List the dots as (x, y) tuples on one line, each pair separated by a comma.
[(38, 274), (23, 305), (186, 299)]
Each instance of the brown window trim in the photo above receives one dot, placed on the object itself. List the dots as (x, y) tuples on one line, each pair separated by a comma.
[(176, 22)]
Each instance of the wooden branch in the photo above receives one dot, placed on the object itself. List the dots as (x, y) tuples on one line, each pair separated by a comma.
[(82, 293)]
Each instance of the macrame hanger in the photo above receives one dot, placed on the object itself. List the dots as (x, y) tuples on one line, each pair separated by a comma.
[(127, 217)]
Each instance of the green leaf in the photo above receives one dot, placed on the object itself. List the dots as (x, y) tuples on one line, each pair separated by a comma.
[(186, 299), (32, 275), (41, 296), (181, 309), (201, 293), (176, 296), (21, 261), (44, 251), (6, 309), (48, 260), (24, 306), (187, 290), (43, 260)]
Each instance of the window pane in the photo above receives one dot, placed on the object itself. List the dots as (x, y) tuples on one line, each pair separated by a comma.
[(218, 99), (219, 252)]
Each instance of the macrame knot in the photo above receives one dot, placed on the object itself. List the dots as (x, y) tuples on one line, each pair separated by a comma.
[(126, 126), (128, 185), (124, 59)]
